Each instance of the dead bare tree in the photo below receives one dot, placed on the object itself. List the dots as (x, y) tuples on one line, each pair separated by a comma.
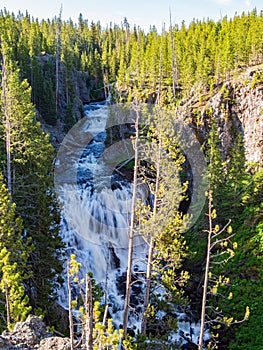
[(174, 69), (7, 123), (131, 231), (89, 315), (58, 44), (219, 251), (152, 240), (70, 315)]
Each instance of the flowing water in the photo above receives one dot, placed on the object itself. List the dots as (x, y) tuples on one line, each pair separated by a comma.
[(96, 219)]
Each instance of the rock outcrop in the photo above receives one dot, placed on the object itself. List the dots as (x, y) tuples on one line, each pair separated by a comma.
[(25, 334), (236, 106), (32, 334), (54, 343)]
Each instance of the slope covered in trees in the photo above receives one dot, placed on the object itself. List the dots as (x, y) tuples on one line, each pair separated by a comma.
[(174, 61), (26, 163), (44, 64)]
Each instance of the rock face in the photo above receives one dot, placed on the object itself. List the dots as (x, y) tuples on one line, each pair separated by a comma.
[(236, 106), (32, 334), (249, 110)]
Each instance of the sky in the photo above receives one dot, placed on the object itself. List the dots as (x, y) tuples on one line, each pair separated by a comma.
[(140, 12)]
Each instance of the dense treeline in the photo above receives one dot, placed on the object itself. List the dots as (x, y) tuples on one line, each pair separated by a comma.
[(237, 197), (26, 163), (154, 67), (203, 54)]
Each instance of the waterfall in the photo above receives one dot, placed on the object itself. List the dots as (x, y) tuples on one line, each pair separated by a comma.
[(95, 219)]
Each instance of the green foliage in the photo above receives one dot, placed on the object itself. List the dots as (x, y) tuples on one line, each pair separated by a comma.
[(257, 79), (204, 54), (14, 253), (227, 175), (160, 223), (246, 268), (220, 249), (105, 336), (171, 250), (129, 344), (243, 271), (69, 119), (27, 154), (45, 91)]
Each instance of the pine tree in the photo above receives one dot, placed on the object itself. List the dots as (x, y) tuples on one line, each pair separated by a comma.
[(216, 165), (27, 165), (227, 177), (220, 249), (131, 230), (14, 253), (45, 91), (157, 220), (237, 176)]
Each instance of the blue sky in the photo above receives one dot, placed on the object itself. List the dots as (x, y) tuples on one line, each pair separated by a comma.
[(141, 12)]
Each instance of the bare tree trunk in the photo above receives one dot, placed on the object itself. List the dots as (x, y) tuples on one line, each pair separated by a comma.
[(71, 325), (148, 286), (57, 76), (8, 319), (174, 77), (160, 75), (7, 126), (218, 70), (131, 229), (105, 83), (8, 155), (106, 293), (208, 255), (105, 315), (89, 315), (151, 244), (58, 57), (32, 80)]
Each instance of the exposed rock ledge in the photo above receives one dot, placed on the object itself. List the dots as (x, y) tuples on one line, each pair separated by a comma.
[(236, 106), (32, 334)]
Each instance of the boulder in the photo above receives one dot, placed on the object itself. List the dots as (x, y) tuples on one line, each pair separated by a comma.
[(26, 335), (55, 343), (5, 344)]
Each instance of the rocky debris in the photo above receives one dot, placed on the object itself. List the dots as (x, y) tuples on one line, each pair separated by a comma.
[(25, 334), (4, 344), (32, 334)]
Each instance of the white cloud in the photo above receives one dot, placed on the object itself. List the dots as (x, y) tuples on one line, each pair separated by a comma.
[(248, 3)]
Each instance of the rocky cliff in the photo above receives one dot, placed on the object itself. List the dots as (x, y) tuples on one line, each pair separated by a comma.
[(236, 106)]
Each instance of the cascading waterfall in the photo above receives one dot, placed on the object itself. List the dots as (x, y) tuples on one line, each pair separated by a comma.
[(95, 224)]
